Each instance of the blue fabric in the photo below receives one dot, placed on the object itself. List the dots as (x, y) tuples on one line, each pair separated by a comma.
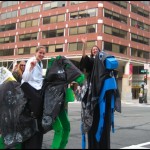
[(83, 139), (109, 84)]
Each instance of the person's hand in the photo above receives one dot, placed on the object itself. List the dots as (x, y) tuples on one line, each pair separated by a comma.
[(33, 64), (84, 39)]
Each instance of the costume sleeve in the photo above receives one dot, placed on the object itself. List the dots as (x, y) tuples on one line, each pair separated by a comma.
[(86, 63)]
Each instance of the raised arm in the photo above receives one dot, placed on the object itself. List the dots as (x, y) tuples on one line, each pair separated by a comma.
[(84, 40)]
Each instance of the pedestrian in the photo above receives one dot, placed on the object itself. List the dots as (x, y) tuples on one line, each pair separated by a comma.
[(17, 73), (31, 84)]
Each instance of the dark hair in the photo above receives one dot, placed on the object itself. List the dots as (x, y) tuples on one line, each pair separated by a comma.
[(39, 47), (92, 48)]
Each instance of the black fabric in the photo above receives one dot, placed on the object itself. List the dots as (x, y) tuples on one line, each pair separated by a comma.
[(58, 76), (16, 124), (17, 76), (35, 100), (90, 109)]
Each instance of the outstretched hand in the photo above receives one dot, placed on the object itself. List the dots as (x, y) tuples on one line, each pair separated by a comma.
[(84, 39), (33, 64)]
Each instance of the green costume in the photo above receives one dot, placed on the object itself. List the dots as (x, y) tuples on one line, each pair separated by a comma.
[(61, 125)]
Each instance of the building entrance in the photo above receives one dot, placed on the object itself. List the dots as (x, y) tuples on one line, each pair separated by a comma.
[(135, 92)]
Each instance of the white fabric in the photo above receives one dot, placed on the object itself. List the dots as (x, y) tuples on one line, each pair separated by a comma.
[(4, 74), (33, 77)]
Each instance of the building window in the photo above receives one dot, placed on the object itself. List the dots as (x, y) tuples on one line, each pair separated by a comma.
[(139, 53), (78, 46), (8, 15), (9, 39), (140, 39), (140, 25), (29, 23), (122, 4), (55, 48), (54, 4), (82, 29), (9, 3), (139, 11), (27, 37), (76, 2), (30, 10), (7, 27), (115, 32), (52, 33), (26, 50), (83, 14), (115, 48), (54, 19), (115, 16), (7, 52)]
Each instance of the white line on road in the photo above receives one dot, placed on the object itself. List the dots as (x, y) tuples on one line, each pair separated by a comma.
[(138, 146)]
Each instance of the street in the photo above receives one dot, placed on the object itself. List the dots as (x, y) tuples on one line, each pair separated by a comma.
[(132, 127)]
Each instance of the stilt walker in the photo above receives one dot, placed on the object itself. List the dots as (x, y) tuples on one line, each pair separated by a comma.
[(98, 104)]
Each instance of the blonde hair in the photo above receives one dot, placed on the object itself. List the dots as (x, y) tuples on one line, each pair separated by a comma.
[(20, 72)]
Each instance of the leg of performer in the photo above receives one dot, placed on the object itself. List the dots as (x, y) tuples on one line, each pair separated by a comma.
[(2, 145), (36, 106), (18, 146), (66, 128), (34, 98), (58, 131), (105, 138)]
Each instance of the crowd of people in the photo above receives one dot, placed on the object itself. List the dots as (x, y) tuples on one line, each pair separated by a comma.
[(29, 75)]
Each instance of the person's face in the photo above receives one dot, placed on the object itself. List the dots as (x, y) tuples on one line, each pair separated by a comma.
[(94, 50), (40, 54), (22, 66)]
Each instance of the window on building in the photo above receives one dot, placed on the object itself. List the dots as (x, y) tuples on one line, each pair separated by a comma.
[(139, 11), (55, 48), (115, 48), (122, 4), (8, 27), (78, 46), (9, 3), (115, 31), (10, 39), (54, 19), (115, 16), (53, 33), (140, 39), (83, 14), (30, 10), (82, 29), (27, 37), (139, 53), (140, 25), (7, 52), (8, 15), (54, 4)]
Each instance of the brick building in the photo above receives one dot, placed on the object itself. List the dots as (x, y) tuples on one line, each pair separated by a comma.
[(120, 28)]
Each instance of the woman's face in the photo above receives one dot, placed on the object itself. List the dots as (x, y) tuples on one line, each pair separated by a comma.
[(40, 54), (94, 50)]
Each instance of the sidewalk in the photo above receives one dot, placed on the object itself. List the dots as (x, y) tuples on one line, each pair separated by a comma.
[(134, 101)]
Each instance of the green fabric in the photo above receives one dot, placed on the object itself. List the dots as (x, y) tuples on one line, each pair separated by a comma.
[(66, 128), (80, 79), (58, 132), (61, 128), (50, 62), (2, 146), (18, 146), (69, 96)]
